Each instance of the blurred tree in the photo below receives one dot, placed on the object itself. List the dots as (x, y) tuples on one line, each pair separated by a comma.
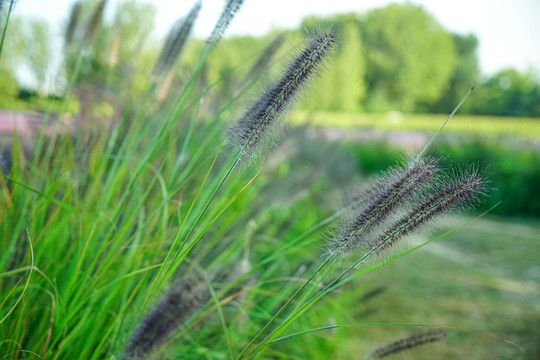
[(38, 50), (342, 86), (28, 45), (11, 56), (410, 57), (466, 73), (131, 28), (10, 87), (508, 93)]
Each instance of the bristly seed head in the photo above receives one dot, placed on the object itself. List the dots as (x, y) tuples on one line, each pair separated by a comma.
[(93, 24), (231, 8), (408, 343), (176, 39), (167, 316), (72, 25), (381, 201), (458, 194), (254, 128)]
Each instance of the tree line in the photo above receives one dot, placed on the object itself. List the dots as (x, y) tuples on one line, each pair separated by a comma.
[(394, 58)]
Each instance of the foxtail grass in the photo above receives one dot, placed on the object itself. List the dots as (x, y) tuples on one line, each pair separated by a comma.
[(228, 13), (94, 23), (152, 196), (261, 120), (380, 202), (462, 191), (175, 42), (408, 343), (181, 302)]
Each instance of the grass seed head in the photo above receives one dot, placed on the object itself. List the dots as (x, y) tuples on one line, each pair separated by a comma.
[(381, 201), (169, 314), (408, 343), (231, 8), (262, 119), (73, 23), (461, 192), (176, 40), (93, 24)]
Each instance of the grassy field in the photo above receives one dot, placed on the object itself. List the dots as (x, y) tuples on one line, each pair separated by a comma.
[(528, 128), (484, 277), (154, 237), (469, 279)]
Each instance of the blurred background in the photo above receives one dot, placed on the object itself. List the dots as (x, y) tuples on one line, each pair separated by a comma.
[(401, 69)]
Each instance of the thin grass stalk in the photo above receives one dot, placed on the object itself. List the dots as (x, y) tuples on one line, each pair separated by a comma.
[(442, 326), (438, 132), (179, 256), (214, 193), (186, 141), (46, 118), (6, 26), (280, 311), (166, 266)]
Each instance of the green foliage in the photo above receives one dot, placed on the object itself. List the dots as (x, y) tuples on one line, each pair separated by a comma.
[(509, 93), (465, 75), (513, 170), (409, 57), (341, 87), (10, 88), (38, 48), (97, 222)]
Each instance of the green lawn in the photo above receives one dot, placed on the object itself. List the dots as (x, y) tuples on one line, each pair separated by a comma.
[(470, 124), (485, 277)]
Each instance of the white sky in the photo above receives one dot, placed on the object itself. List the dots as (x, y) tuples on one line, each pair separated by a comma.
[(508, 30)]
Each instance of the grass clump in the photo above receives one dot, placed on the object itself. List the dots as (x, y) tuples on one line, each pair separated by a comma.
[(97, 223)]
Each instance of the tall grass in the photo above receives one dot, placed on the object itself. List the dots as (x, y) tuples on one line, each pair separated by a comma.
[(146, 239)]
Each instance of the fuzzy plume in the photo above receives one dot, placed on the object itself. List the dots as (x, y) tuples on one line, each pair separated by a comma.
[(94, 23), (179, 304), (381, 201), (176, 40), (231, 8), (408, 343), (459, 193), (253, 129), (72, 25)]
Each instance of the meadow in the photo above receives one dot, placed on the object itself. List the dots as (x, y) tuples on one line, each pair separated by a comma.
[(468, 125), (190, 225)]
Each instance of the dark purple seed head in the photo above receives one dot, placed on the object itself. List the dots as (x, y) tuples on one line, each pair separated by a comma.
[(255, 127)]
